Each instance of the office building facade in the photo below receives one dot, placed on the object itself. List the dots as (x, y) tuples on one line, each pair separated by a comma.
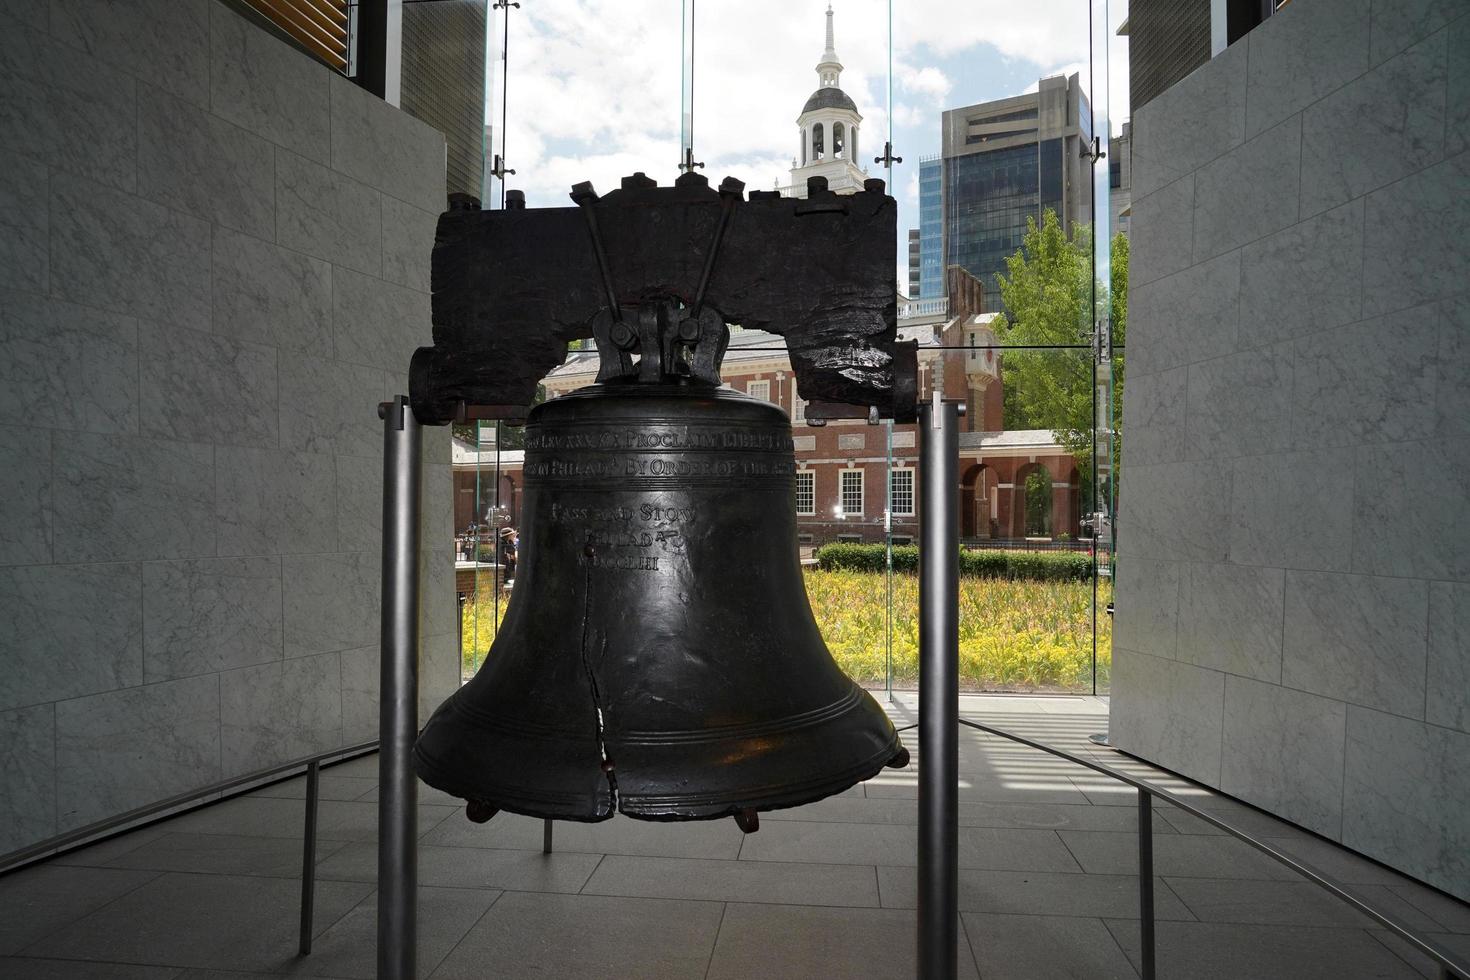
[(931, 229)]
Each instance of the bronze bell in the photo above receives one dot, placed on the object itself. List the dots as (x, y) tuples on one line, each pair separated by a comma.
[(658, 656)]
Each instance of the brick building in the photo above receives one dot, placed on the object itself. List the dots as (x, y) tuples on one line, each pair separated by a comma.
[(842, 466)]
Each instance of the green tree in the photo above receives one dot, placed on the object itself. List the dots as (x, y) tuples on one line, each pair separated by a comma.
[(1049, 294)]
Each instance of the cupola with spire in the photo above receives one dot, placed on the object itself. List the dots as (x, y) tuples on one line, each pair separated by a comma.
[(828, 126)]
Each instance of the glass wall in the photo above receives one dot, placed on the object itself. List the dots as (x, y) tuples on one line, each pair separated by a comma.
[(1032, 350)]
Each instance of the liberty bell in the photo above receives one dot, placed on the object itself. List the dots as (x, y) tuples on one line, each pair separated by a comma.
[(658, 656)]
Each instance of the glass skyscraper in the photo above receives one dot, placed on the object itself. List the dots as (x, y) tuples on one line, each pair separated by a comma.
[(931, 228)]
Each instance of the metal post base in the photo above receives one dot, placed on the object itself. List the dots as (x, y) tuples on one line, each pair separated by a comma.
[(399, 695)]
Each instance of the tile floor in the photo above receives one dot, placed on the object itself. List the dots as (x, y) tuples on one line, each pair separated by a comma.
[(1048, 885)]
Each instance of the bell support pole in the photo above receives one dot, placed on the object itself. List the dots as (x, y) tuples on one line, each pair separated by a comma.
[(399, 694), (938, 856)]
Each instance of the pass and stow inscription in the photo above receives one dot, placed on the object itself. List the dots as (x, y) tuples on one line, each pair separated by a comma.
[(628, 538)]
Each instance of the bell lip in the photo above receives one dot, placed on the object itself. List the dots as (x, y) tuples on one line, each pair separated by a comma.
[(668, 812)]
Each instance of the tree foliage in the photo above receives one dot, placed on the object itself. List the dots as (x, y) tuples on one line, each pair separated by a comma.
[(1049, 295)]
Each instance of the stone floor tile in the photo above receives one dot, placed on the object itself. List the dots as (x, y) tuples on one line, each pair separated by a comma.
[(208, 921), (1281, 903), (42, 899), (427, 794), (275, 857), (19, 968), (348, 947), (620, 835), (784, 942), (1220, 951), (1034, 893), (98, 854), (1452, 914), (257, 816), (364, 765), (1458, 946), (331, 787), (472, 867), (1015, 816), (848, 843), (565, 936), (1339, 862), (735, 881), (1244, 818), (1041, 789), (1186, 855), (1023, 947)]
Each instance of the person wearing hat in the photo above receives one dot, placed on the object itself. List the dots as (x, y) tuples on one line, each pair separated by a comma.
[(508, 548)]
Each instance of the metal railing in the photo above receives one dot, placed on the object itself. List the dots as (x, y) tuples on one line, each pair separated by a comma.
[(1450, 965), (130, 820), (938, 306)]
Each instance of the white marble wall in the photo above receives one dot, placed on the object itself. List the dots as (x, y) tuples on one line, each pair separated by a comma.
[(214, 263), (1293, 600)]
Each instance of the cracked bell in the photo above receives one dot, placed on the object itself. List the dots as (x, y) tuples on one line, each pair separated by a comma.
[(658, 656)]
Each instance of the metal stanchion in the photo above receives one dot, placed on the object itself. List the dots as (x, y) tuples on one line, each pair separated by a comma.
[(938, 691), (1146, 882), (308, 855), (399, 693)]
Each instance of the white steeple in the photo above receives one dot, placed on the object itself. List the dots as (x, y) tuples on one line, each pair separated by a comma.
[(829, 130)]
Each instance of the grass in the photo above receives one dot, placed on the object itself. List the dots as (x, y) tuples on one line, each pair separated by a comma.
[(1014, 634)]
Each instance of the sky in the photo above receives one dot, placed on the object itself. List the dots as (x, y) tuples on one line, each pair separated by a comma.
[(595, 86)]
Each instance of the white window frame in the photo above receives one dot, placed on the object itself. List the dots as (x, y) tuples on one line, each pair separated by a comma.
[(842, 482), (893, 475), (759, 389), (810, 479), (798, 408)]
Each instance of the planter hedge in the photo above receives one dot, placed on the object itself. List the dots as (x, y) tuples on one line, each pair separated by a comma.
[(1041, 566)]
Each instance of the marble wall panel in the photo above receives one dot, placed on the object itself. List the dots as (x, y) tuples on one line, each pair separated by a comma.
[(1395, 117), (122, 749), (1457, 101), (1168, 712), (1311, 51), (439, 671), (1366, 383), (1413, 251), (360, 503), (25, 495), (437, 603), (328, 215), (331, 602), (361, 681), (1190, 123), (64, 109), (277, 712), (1357, 638), (1448, 679), (1283, 751), (1409, 510), (438, 486), (24, 225), (164, 41), (1293, 510), (125, 254), (1452, 382), (386, 148), (1154, 410), (1264, 171), (28, 773), (329, 407), (1239, 404), (267, 294), (272, 502), (1162, 232), (211, 614), (408, 240), (1230, 619), (378, 323), (262, 84), (1406, 792), (1186, 317), (1175, 511), (69, 630), (1148, 607), (207, 388), (192, 160), (1397, 24), (1323, 287), (121, 498), (67, 366)]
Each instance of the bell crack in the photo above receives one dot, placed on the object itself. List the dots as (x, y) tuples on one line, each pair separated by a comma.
[(606, 764)]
